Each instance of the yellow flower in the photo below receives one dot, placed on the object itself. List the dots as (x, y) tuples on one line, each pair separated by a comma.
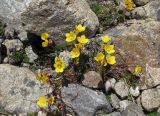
[(129, 4), (45, 77), (45, 43), (99, 57), (38, 75), (82, 39), (71, 36), (138, 69), (79, 45), (75, 53), (42, 101), (80, 28), (111, 59), (59, 65), (109, 48), (105, 38), (51, 100), (44, 36)]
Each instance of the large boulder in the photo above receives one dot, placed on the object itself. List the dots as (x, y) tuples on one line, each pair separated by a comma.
[(19, 89), (53, 16), (138, 43), (84, 101), (150, 99)]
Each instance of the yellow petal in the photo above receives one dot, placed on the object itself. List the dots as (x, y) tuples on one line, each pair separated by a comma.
[(44, 36), (42, 101), (82, 39), (59, 65), (99, 57), (75, 53), (38, 75), (111, 59), (105, 38), (129, 4), (109, 48), (45, 43), (51, 100), (138, 69), (71, 36), (80, 28)]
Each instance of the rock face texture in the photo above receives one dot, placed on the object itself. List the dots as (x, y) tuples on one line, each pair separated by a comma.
[(19, 89), (84, 101), (121, 89), (53, 16), (93, 79), (138, 43), (150, 10), (133, 110), (151, 99)]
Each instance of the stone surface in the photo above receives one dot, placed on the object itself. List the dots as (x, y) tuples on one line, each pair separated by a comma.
[(121, 89), (150, 10), (58, 17), (30, 54), (92, 79), (66, 57), (158, 112), (115, 101), (141, 2), (19, 89), (134, 91), (110, 84), (55, 17), (137, 43), (114, 114), (123, 104), (150, 99), (13, 45), (153, 77), (84, 101), (133, 110)]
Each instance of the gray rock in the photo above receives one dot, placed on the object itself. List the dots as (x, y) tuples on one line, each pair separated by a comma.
[(41, 113), (23, 36), (115, 101), (19, 89), (30, 54), (66, 57), (123, 104), (114, 114), (58, 17), (150, 10), (138, 43), (121, 89), (133, 110), (13, 45), (84, 101), (141, 2), (153, 77), (150, 99), (158, 112), (55, 17), (93, 79), (110, 84), (134, 91)]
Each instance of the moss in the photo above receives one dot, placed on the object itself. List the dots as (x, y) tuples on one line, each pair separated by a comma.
[(152, 114), (2, 29), (19, 57), (107, 14), (32, 114)]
